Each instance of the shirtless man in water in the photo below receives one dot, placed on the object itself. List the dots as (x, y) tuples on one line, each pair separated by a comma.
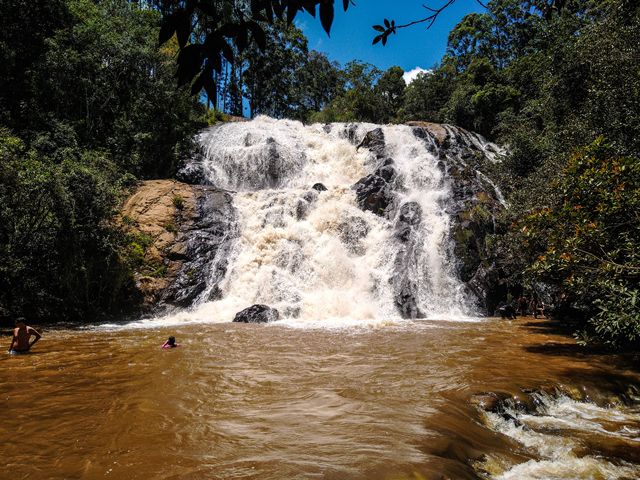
[(21, 336)]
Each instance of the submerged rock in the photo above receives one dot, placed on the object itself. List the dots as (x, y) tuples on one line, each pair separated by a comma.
[(257, 314)]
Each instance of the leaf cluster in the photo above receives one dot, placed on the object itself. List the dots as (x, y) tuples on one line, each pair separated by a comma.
[(211, 32)]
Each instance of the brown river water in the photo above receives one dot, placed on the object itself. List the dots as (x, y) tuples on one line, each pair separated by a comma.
[(239, 401)]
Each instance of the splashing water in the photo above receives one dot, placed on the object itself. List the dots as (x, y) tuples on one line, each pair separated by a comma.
[(315, 255), (561, 430)]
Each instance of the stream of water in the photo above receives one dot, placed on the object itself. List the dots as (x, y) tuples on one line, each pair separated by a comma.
[(272, 402)]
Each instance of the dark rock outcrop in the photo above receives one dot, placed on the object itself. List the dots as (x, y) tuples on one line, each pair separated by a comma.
[(319, 187), (257, 314), (207, 245), (374, 194), (467, 159), (375, 191), (374, 142), (192, 171)]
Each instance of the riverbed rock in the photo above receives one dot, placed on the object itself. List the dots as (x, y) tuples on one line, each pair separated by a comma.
[(257, 314)]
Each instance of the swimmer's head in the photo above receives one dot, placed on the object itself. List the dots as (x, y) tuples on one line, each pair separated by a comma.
[(20, 322), (171, 341)]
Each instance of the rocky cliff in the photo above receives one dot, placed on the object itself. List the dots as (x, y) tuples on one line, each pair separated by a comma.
[(465, 158), (176, 230)]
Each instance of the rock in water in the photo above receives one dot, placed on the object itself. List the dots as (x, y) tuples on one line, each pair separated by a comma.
[(257, 314), (374, 141), (319, 187)]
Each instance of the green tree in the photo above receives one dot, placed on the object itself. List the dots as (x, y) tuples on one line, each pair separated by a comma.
[(271, 75), (588, 240), (389, 92), (319, 81)]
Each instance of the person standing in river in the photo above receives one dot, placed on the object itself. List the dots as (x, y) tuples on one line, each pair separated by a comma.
[(21, 336)]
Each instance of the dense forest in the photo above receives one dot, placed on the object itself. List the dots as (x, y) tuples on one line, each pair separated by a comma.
[(89, 105)]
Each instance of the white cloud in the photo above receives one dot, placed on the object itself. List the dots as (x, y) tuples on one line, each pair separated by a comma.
[(411, 75)]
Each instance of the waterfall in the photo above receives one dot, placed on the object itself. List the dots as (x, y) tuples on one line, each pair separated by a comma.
[(314, 254)]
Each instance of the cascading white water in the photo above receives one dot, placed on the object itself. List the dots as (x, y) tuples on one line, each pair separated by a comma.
[(316, 256)]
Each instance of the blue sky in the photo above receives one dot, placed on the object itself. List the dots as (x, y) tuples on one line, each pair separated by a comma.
[(351, 34)]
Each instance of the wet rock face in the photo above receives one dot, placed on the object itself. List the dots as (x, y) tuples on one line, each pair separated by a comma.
[(192, 171), (463, 157), (404, 286), (374, 142), (182, 229), (207, 245), (257, 314), (409, 217), (473, 207), (374, 194), (375, 191)]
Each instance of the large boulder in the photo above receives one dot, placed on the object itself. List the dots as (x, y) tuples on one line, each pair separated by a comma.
[(374, 194), (257, 314)]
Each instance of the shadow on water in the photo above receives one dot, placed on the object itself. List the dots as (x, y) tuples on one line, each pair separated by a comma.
[(566, 346), (551, 326)]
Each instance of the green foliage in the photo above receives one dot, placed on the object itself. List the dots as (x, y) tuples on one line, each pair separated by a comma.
[(617, 322), (270, 79), (178, 202), (211, 35), (370, 95), (59, 254), (89, 105), (587, 241), (547, 82)]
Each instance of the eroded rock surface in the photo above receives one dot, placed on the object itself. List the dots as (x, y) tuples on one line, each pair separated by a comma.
[(467, 161), (175, 231)]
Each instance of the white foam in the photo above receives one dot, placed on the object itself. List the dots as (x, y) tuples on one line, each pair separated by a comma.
[(309, 267), (548, 433)]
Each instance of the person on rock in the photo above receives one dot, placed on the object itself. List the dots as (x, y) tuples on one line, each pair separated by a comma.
[(170, 343), (21, 336)]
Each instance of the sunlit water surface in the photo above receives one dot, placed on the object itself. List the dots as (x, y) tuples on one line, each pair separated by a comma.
[(274, 402)]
